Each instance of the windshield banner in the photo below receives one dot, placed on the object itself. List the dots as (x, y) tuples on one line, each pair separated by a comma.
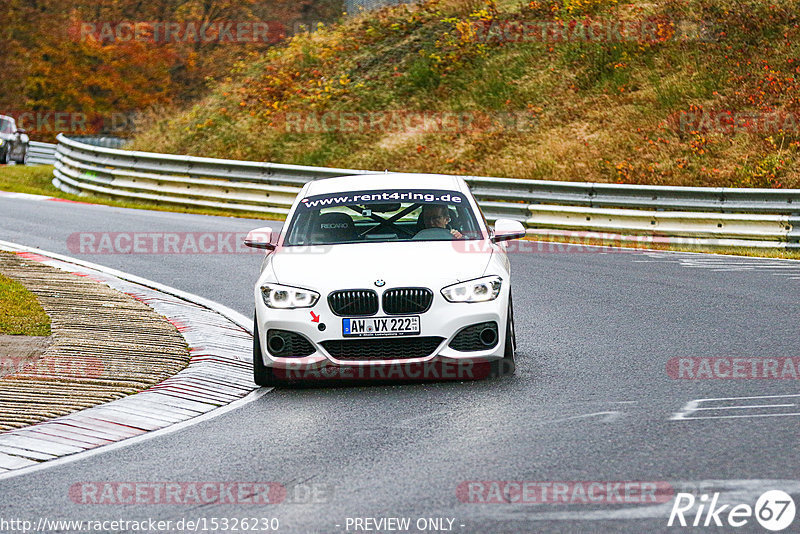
[(417, 196)]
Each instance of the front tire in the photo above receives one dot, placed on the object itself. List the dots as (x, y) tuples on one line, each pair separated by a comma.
[(4, 156), (507, 366)]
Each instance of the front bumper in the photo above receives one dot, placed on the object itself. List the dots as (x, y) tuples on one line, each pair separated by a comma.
[(443, 319)]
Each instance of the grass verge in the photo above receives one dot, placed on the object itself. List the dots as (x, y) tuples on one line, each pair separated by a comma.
[(20, 311)]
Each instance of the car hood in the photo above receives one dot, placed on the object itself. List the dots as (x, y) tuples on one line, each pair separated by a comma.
[(429, 264)]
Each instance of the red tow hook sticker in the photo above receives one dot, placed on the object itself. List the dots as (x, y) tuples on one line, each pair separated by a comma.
[(314, 317)]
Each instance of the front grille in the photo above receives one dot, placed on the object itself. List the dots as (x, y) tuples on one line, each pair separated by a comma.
[(286, 344), (468, 339), (407, 300), (353, 302), (393, 348)]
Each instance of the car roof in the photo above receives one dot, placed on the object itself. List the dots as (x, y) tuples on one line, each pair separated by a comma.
[(399, 181), (7, 117)]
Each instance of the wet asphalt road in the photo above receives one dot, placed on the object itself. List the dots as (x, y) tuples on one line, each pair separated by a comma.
[(591, 401)]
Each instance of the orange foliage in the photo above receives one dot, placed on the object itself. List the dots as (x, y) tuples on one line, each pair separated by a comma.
[(49, 65)]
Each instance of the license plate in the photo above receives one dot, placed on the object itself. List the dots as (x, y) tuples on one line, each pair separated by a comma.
[(381, 326)]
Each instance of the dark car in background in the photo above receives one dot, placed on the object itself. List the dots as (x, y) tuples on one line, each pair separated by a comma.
[(13, 142)]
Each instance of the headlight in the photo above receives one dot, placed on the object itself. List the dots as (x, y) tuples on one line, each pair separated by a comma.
[(1, 142), (278, 296), (478, 290)]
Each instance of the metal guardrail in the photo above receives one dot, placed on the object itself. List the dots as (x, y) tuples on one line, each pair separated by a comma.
[(41, 153), (101, 140), (45, 153), (702, 216), (185, 180), (502, 191)]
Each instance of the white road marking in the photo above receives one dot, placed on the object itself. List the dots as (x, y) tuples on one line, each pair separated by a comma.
[(746, 407), (720, 263), (26, 196), (609, 417), (742, 416), (695, 406)]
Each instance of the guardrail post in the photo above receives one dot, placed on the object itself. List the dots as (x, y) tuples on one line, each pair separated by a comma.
[(794, 233)]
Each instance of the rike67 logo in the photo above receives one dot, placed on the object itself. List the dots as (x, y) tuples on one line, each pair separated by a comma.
[(774, 510)]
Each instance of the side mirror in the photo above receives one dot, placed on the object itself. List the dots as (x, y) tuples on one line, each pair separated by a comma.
[(21, 131), (507, 229), (260, 238)]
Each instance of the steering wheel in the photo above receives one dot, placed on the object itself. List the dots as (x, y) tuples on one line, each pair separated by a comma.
[(433, 234)]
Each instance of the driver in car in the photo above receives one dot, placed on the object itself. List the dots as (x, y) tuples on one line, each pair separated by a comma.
[(438, 216)]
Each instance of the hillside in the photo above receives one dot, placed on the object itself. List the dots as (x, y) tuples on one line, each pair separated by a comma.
[(677, 92)]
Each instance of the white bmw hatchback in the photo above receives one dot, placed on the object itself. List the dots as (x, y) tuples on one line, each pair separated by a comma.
[(390, 276)]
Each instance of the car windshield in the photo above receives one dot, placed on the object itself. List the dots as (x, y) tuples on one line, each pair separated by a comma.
[(382, 215), (6, 126)]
